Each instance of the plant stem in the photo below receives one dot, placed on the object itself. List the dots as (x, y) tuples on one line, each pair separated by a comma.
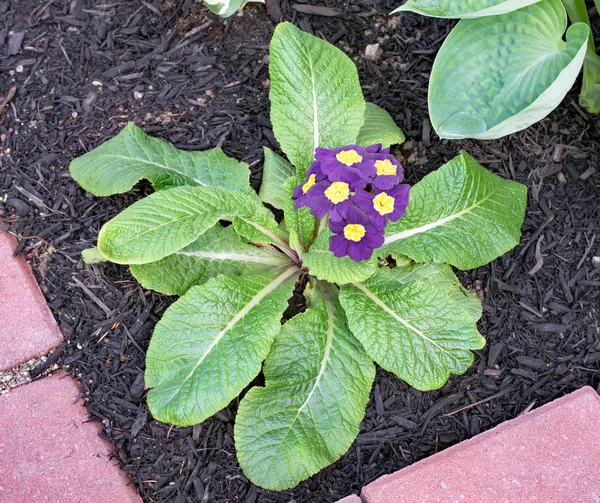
[(592, 59), (589, 97), (577, 12)]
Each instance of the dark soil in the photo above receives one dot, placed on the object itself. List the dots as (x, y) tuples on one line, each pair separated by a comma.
[(82, 68)]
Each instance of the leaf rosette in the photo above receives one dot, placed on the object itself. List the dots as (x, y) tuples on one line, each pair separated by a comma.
[(379, 284)]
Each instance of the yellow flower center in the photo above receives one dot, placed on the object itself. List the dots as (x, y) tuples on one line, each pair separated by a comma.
[(338, 192), (349, 157), (311, 181), (354, 232), (383, 203), (385, 168)]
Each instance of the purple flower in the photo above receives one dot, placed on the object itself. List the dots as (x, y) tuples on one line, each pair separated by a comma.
[(363, 200), (355, 236), (328, 197), (383, 207), (301, 195), (390, 205), (313, 175), (388, 171), (376, 149), (315, 169), (350, 159)]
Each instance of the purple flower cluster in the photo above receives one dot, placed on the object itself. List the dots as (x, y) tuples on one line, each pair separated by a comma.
[(360, 188)]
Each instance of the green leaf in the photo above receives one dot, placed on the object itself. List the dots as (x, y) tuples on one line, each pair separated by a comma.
[(442, 277), (210, 344), (224, 8), (169, 220), (326, 266), (463, 8), (379, 127), (316, 98), (497, 75), (318, 380), (92, 256), (414, 330), (276, 171), (218, 251), (121, 162), (461, 214), (299, 222), (589, 98)]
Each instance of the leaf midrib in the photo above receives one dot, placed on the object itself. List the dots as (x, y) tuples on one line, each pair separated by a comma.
[(252, 303), (158, 165), (401, 320), (432, 225), (316, 134), (236, 257), (152, 229), (270, 234), (324, 362)]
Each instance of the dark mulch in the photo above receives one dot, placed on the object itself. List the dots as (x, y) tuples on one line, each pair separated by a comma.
[(77, 67)]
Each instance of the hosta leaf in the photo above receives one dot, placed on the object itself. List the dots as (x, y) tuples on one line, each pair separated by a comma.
[(300, 222), (463, 8), (500, 74), (379, 127), (218, 251), (461, 214), (210, 344), (442, 277), (318, 380), (326, 266), (224, 8), (169, 220), (276, 171), (316, 98), (414, 330), (121, 162)]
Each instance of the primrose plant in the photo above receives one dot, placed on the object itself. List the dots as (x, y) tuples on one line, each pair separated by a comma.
[(373, 257), (227, 8), (506, 66)]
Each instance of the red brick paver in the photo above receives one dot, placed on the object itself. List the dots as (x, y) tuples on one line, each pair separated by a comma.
[(550, 455), (51, 453), (353, 498), (27, 328)]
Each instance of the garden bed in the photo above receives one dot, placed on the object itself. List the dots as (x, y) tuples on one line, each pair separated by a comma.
[(83, 69)]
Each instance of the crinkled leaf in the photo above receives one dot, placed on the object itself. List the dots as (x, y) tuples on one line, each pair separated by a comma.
[(497, 75), (121, 162), (224, 8), (92, 256), (218, 251), (414, 330), (463, 8), (210, 344), (169, 220), (461, 214), (326, 266), (318, 380), (276, 170), (401, 260), (379, 127), (299, 222), (316, 98), (441, 276)]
